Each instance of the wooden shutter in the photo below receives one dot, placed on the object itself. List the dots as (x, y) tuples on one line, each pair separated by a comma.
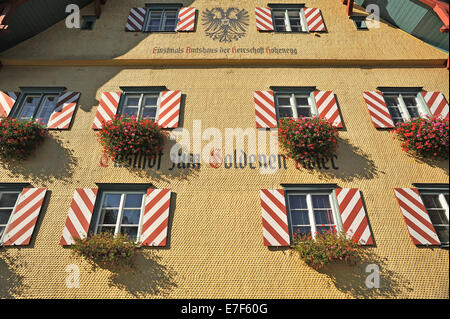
[(24, 217), (436, 103), (7, 101), (314, 20), (186, 19), (64, 110), (80, 215), (274, 217), (156, 217), (107, 108), (416, 217), (135, 22), (328, 108), (169, 109), (266, 116), (353, 215), (378, 110), (264, 20)]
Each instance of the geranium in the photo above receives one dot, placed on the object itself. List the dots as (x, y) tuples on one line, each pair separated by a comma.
[(327, 248), (308, 140), (107, 250), (19, 138), (123, 137), (425, 137)]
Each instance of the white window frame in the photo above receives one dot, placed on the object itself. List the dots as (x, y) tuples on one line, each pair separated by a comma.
[(421, 105), (312, 221), (12, 210), (141, 100), (42, 97), (293, 103), (163, 18), (444, 204), (287, 22), (120, 211)]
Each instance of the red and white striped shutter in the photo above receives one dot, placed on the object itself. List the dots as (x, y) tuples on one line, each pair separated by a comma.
[(186, 19), (416, 217), (7, 100), (327, 107), (436, 103), (378, 110), (64, 110), (314, 20), (156, 217), (266, 115), (264, 20), (107, 109), (169, 109), (274, 217), (353, 215), (80, 215), (135, 21), (24, 217)]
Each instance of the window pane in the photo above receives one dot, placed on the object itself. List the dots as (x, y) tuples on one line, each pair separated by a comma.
[(4, 216), (410, 101), (438, 216), (130, 111), (8, 199), (391, 100), (301, 100), (323, 217), (320, 201), (106, 229), (301, 231), (149, 113), (284, 100), (324, 229), (110, 216), (133, 201), (431, 201), (130, 231), (299, 218), (46, 108), (29, 107), (285, 112), (304, 112), (150, 100), (294, 20), (112, 200), (131, 217), (2, 229), (442, 232), (297, 202)]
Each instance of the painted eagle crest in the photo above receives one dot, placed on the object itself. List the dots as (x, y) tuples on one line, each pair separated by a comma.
[(225, 25)]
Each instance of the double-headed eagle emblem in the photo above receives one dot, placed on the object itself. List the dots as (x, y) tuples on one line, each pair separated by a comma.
[(225, 25)]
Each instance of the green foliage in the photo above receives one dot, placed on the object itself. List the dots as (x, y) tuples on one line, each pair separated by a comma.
[(106, 250), (308, 140), (327, 248), (19, 138), (123, 137)]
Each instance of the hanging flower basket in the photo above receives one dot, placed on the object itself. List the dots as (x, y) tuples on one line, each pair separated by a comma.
[(124, 137), (427, 138), (327, 248), (308, 140), (19, 138)]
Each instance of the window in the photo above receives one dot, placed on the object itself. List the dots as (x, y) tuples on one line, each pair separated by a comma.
[(436, 203), (295, 105), (8, 200), (404, 107), (140, 105), (288, 20), (88, 22), (160, 19), (120, 212), (37, 106), (310, 213), (360, 23)]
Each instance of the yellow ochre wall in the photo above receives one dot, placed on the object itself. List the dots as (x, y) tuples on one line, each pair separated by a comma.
[(215, 247)]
